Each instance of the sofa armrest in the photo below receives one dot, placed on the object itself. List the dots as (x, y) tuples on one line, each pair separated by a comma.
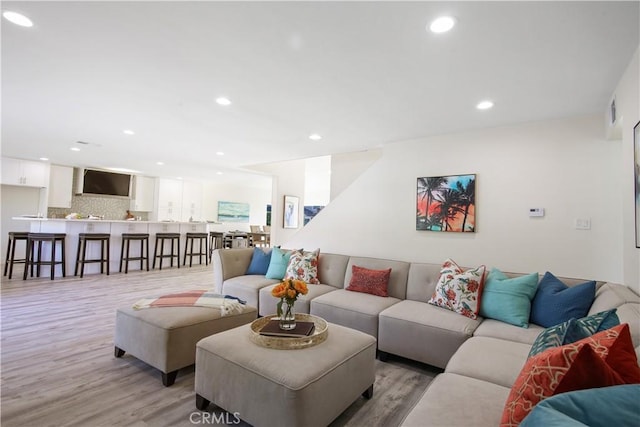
[(228, 263)]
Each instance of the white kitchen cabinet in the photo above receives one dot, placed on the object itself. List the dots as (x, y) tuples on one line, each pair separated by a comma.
[(60, 186), (191, 201), (24, 172), (143, 193), (169, 199)]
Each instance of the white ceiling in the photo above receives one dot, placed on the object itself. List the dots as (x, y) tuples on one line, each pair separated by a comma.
[(361, 74)]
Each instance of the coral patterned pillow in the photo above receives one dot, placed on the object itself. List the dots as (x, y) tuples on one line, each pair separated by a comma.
[(458, 290), (303, 266), (372, 282), (597, 361)]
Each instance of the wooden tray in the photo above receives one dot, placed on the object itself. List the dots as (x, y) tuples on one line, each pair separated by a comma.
[(319, 334)]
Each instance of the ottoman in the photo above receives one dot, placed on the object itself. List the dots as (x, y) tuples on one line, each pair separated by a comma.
[(166, 337), (272, 387)]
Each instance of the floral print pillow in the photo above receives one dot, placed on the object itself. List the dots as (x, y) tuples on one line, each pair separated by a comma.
[(303, 266), (458, 290)]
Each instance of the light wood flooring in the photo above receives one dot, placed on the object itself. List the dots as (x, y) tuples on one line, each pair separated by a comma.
[(58, 368)]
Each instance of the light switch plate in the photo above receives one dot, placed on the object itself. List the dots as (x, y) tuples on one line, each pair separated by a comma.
[(583, 223)]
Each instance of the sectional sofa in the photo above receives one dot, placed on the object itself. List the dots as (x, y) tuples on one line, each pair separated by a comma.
[(481, 358)]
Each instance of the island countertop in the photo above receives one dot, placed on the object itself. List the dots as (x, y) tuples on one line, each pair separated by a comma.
[(73, 227), (34, 218)]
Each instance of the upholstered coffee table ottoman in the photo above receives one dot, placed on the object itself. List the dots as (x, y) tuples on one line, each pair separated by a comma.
[(272, 387), (166, 337)]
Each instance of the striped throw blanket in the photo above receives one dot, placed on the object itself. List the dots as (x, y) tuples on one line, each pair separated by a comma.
[(227, 304)]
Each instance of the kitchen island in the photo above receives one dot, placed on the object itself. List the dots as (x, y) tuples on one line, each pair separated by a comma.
[(73, 227)]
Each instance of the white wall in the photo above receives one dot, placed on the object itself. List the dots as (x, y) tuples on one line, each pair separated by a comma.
[(565, 166), (346, 167), (17, 201), (627, 96)]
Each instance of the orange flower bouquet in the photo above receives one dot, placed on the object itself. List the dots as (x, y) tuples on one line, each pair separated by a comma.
[(288, 292)]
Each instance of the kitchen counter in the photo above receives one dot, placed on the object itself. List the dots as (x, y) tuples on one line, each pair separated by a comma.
[(73, 227)]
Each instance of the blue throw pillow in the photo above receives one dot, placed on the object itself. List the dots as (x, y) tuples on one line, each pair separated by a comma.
[(556, 302), (260, 261), (508, 300), (278, 264)]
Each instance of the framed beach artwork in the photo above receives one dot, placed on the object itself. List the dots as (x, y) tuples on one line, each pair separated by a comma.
[(446, 203), (291, 211), (233, 212), (636, 176)]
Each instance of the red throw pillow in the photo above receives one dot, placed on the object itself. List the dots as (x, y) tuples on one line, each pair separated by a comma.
[(615, 346), (372, 282), (596, 361)]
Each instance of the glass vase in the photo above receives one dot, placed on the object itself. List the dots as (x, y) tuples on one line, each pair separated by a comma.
[(288, 318)]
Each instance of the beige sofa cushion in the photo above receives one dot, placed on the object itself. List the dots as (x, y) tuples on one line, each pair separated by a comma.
[(455, 400), (332, 268), (497, 329), (423, 332), (489, 359), (247, 287), (422, 281), (354, 310), (611, 295)]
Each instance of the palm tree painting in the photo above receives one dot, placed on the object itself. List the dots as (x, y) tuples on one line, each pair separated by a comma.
[(446, 203)]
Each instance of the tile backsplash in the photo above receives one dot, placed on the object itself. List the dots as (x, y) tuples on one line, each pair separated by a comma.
[(109, 207), (112, 208)]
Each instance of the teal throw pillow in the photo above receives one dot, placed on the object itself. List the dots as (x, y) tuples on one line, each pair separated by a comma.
[(551, 337), (508, 299), (278, 264), (587, 326), (574, 330), (260, 261), (556, 302), (596, 407)]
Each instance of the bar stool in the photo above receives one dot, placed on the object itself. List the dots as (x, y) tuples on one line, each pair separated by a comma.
[(203, 248), (14, 237), (144, 255), (40, 238), (215, 242), (174, 238), (83, 239)]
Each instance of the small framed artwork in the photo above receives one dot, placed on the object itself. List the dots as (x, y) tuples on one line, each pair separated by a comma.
[(446, 203), (636, 176), (291, 211)]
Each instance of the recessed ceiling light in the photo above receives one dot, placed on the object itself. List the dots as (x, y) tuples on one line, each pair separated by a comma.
[(44, 159), (75, 149), (159, 163), (128, 132), (442, 24), (223, 101), (219, 153), (218, 173), (17, 19), (484, 105), (315, 137)]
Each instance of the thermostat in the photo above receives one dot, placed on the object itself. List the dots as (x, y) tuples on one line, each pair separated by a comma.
[(536, 212)]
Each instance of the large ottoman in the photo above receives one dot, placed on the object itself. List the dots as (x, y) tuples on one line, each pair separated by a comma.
[(166, 337), (272, 387)]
